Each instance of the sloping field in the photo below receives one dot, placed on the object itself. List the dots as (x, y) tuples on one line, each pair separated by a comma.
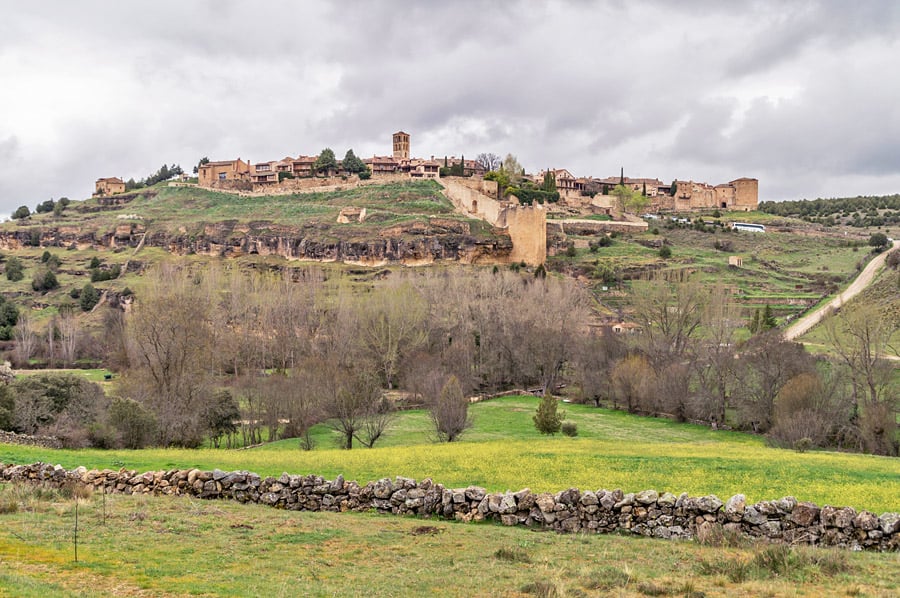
[(503, 451)]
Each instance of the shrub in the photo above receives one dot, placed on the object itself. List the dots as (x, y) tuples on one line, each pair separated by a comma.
[(89, 297), (134, 424), (21, 212), (570, 250), (95, 263), (548, 420), (44, 281), (569, 429), (15, 271), (512, 555), (606, 578), (665, 252), (893, 259), (99, 275)]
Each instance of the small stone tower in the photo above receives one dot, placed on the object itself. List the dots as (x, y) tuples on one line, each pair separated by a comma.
[(401, 146)]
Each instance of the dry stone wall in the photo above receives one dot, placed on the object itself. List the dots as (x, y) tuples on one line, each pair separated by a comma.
[(26, 440), (647, 513)]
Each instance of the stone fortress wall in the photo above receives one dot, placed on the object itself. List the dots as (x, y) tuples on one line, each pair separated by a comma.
[(647, 513), (527, 225)]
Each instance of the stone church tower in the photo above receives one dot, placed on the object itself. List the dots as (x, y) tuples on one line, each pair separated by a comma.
[(401, 146)]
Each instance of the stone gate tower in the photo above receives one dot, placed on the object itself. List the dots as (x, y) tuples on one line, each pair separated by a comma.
[(401, 146)]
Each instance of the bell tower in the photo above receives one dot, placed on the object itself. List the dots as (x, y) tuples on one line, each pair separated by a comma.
[(401, 146)]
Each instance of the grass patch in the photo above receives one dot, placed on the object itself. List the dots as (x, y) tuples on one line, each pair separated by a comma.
[(504, 451), (181, 546)]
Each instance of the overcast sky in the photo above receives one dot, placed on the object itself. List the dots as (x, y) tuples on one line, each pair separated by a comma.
[(802, 95)]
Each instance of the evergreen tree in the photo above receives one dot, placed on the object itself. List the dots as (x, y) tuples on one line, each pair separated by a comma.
[(353, 164), (548, 420), (767, 321), (326, 161), (622, 176)]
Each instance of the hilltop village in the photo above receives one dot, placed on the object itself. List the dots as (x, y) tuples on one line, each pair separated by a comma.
[(498, 192), (582, 194)]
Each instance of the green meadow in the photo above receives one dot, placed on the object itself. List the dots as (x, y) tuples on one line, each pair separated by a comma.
[(175, 546), (503, 451)]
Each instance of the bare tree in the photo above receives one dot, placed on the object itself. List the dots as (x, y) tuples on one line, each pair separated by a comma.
[(632, 380), (670, 314), (488, 161), (594, 360), (861, 337), (352, 400), (391, 323), (68, 335), (172, 353), (26, 338), (450, 411), (714, 367), (766, 365)]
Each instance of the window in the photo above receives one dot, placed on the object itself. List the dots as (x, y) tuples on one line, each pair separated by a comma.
[(222, 176)]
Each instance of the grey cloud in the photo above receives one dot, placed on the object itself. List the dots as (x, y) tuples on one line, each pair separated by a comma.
[(659, 87)]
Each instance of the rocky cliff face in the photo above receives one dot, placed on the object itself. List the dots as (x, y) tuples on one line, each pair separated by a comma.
[(412, 243)]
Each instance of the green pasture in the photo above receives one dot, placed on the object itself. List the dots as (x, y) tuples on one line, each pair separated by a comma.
[(144, 545), (503, 451)]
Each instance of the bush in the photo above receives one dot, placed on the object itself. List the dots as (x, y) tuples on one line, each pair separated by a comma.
[(893, 259), (21, 212), (100, 275), (15, 271), (89, 297), (548, 420), (570, 250), (878, 241), (529, 196), (135, 425), (569, 429), (665, 252), (44, 281)]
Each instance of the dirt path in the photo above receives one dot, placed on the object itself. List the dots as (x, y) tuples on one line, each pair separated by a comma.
[(804, 324)]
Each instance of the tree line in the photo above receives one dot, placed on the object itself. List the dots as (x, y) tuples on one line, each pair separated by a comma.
[(240, 358)]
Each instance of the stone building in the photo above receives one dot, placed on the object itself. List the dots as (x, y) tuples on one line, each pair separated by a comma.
[(109, 186), (739, 194), (401, 146), (228, 170)]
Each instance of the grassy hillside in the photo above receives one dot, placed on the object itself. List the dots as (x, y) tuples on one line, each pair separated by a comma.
[(504, 451), (169, 208), (788, 270)]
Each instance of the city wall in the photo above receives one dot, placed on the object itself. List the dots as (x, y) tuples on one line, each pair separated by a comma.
[(647, 513), (527, 225)]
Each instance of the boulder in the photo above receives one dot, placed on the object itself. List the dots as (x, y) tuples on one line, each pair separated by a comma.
[(805, 513), (735, 506), (646, 497)]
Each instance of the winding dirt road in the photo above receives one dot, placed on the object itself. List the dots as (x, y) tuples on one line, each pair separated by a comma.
[(804, 324)]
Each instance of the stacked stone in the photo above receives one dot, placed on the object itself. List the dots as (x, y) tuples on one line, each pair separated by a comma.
[(27, 440), (647, 513)]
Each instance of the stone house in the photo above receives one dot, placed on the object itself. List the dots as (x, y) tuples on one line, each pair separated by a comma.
[(264, 172), (423, 169), (228, 170), (109, 186), (382, 165)]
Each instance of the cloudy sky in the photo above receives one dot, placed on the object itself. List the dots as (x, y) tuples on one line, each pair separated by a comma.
[(803, 95)]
